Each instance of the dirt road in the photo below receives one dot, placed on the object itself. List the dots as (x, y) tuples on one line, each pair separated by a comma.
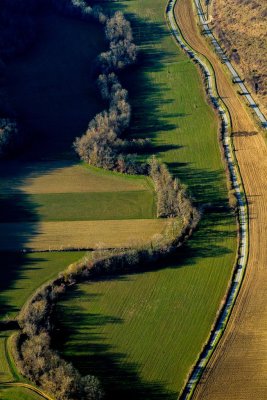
[(237, 369)]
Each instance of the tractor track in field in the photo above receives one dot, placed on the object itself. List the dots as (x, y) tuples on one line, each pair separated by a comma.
[(29, 387), (236, 369), (15, 383)]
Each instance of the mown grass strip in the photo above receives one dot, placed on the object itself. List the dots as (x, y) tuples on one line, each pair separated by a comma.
[(79, 206), (66, 177), (65, 235)]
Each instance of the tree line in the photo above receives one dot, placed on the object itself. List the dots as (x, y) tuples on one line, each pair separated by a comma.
[(102, 145), (32, 350)]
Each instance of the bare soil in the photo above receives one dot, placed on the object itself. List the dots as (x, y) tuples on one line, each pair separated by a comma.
[(241, 27), (237, 369)]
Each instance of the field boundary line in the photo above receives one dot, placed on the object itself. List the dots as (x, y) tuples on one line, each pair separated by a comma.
[(28, 386), (16, 375), (237, 184)]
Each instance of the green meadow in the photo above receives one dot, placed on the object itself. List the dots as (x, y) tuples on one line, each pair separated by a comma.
[(139, 333), (142, 333)]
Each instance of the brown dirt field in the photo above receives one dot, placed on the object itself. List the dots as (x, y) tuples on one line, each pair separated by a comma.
[(241, 25), (79, 234), (237, 369)]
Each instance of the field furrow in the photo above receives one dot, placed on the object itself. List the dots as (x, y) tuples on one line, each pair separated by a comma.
[(236, 370)]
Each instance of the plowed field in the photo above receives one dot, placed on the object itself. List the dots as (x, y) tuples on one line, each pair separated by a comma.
[(237, 369)]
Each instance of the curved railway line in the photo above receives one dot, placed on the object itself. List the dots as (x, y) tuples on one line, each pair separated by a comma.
[(236, 369)]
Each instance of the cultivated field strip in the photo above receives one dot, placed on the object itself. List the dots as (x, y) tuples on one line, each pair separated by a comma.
[(237, 369), (241, 202), (69, 235), (65, 177)]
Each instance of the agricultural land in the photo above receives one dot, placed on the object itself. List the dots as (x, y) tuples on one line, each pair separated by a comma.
[(233, 365), (122, 333), (139, 333), (241, 26)]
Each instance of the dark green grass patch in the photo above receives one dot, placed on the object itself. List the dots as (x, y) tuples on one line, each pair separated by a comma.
[(52, 87), (21, 274)]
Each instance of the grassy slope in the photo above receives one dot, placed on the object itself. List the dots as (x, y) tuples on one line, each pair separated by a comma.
[(232, 18), (144, 331)]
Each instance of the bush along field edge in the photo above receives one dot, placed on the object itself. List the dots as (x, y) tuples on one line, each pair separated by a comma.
[(101, 146), (241, 204), (32, 351)]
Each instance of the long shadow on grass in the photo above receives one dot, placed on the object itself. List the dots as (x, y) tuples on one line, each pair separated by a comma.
[(120, 379), (52, 115), (146, 96), (92, 353), (206, 186)]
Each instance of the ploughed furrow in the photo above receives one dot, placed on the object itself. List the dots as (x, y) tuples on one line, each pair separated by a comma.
[(237, 369)]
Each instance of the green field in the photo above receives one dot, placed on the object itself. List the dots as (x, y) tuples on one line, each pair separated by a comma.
[(17, 393), (82, 206), (142, 333), (22, 274), (46, 183), (5, 372)]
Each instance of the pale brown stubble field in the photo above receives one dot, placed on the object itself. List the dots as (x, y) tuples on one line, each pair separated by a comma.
[(238, 367)]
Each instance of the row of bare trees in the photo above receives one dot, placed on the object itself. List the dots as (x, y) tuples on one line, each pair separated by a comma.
[(102, 144), (32, 350), (172, 198), (37, 360)]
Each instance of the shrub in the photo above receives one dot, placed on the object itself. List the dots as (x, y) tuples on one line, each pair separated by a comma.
[(8, 135)]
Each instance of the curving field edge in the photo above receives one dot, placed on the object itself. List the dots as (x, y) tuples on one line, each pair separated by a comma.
[(15, 383), (236, 180)]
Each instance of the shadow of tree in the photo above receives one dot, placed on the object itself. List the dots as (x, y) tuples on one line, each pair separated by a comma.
[(53, 105), (120, 378), (52, 91)]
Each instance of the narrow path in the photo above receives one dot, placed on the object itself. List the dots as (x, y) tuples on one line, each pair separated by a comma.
[(25, 385), (237, 368), (28, 386)]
